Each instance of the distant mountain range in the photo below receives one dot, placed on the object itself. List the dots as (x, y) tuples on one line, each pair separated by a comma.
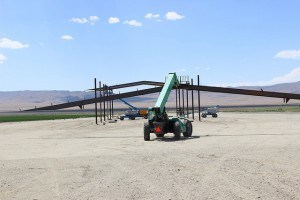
[(284, 87), (29, 99)]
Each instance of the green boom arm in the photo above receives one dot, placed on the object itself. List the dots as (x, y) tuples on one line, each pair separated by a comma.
[(171, 81)]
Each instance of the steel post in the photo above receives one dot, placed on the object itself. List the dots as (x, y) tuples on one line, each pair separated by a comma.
[(187, 101), (104, 108), (179, 101), (193, 114), (112, 104), (100, 111), (199, 111), (176, 101), (96, 117), (183, 101), (107, 103), (110, 112)]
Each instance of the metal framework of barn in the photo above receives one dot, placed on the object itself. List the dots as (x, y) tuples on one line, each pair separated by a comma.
[(106, 96)]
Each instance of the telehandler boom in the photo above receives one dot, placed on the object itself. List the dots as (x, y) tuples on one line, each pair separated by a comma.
[(159, 122)]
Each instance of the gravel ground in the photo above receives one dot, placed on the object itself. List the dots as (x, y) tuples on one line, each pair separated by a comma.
[(236, 156)]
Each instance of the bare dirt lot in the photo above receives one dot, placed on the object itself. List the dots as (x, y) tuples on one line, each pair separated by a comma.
[(236, 156)]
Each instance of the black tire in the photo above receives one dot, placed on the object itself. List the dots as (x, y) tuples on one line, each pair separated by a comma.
[(214, 115), (121, 118), (159, 135), (146, 131), (203, 115), (145, 117), (132, 118), (177, 131), (189, 129)]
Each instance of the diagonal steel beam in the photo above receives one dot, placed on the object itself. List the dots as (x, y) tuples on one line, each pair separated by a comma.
[(101, 99)]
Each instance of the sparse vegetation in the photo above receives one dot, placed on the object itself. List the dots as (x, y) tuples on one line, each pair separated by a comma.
[(19, 118)]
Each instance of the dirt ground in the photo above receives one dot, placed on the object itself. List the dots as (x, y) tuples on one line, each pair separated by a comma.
[(236, 156)]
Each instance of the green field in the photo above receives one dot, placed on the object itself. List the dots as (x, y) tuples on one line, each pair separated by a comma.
[(39, 117), (263, 109), (19, 118)]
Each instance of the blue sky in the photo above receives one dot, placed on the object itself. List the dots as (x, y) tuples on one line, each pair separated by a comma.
[(63, 45)]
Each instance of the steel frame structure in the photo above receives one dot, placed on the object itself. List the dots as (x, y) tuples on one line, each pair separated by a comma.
[(106, 98)]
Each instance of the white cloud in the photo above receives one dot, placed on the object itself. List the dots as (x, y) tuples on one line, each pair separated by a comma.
[(288, 54), (79, 20), (292, 76), (173, 16), (67, 37), (133, 23), (2, 58), (196, 68), (9, 44), (113, 20), (93, 19), (151, 16), (207, 68)]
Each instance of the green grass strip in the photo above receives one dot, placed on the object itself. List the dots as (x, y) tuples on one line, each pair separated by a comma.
[(21, 118)]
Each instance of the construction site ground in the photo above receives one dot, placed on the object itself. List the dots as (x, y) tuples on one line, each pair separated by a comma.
[(234, 156)]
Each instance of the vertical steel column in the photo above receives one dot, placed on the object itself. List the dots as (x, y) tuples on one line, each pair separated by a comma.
[(110, 112), (112, 104), (179, 99), (107, 103), (193, 114), (100, 101), (183, 101), (96, 117), (187, 100), (104, 108), (199, 97), (176, 100)]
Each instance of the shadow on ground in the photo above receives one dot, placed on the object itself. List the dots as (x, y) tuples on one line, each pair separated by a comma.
[(171, 139)]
